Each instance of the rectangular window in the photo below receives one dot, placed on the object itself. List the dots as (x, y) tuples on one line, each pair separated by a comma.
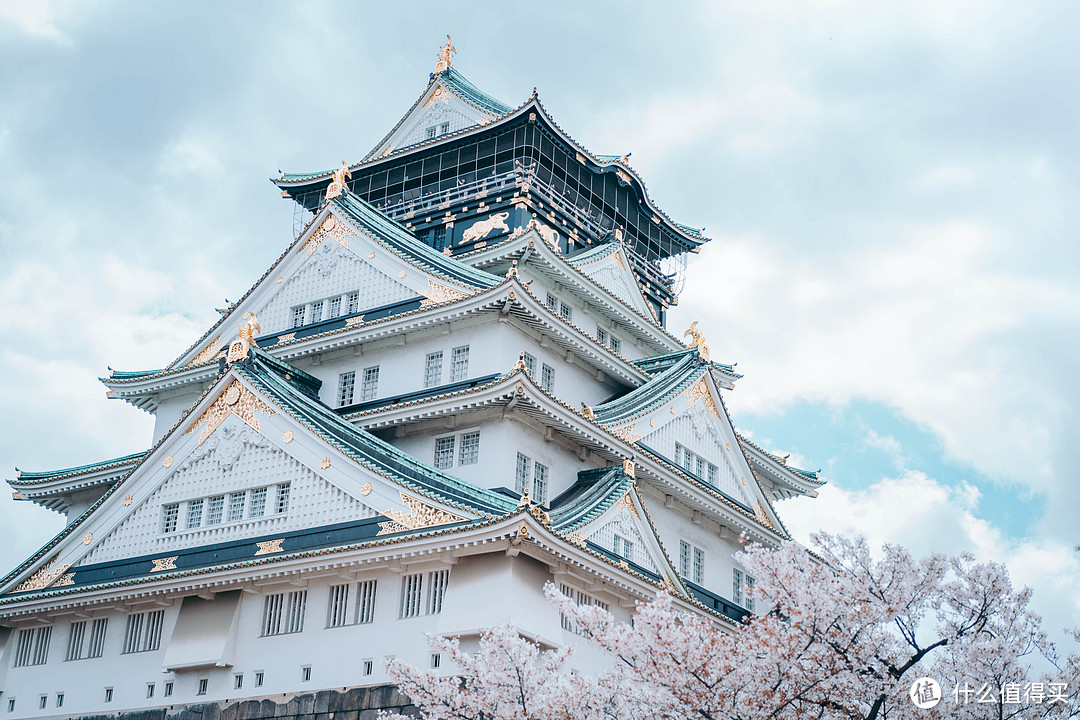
[(429, 133), (444, 452), (215, 509), (736, 586), (365, 601), (316, 311), (108, 695), (236, 507), (684, 558), (42, 702), (615, 344), (438, 238), (257, 508), (335, 308), (169, 515), (470, 449), (238, 681), (412, 587), (97, 638), (32, 646), (282, 498), (345, 384), (540, 483), (713, 474), (530, 364), (552, 302), (623, 547), (11, 705), (168, 689), (699, 565), (547, 378), (433, 369), (436, 660), (699, 467), (283, 613), (436, 590), (601, 336), (150, 687), (75, 640), (521, 474), (581, 599), (259, 679), (298, 316), (748, 595), (369, 667), (459, 363), (194, 514), (444, 128), (353, 300), (370, 384), (566, 311), (337, 612), (143, 632), (59, 699), (305, 673), (203, 682)]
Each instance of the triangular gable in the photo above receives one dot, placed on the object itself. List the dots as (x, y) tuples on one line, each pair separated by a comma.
[(335, 256), (238, 432), (449, 103), (609, 267)]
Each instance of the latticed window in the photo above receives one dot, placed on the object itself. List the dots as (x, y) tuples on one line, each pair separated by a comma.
[(370, 383), (346, 381), (623, 547), (436, 590), (32, 647), (459, 363), (444, 452), (282, 498), (257, 507), (547, 377), (430, 132), (699, 565), (75, 640), (97, 638), (470, 449), (438, 238), (334, 309), (684, 558), (412, 589), (215, 508), (353, 301), (530, 363), (337, 611), (298, 316), (714, 474), (691, 562), (365, 601), (433, 369), (169, 515), (521, 473), (316, 311), (143, 632), (552, 302), (540, 483), (601, 335), (194, 514), (615, 344), (566, 311), (236, 507), (283, 613), (741, 584)]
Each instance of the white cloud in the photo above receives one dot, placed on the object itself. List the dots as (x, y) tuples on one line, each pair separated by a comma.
[(37, 18)]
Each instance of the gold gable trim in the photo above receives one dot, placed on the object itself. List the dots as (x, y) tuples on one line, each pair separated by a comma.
[(421, 515), (236, 400)]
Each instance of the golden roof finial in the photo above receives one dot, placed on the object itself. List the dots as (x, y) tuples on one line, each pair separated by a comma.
[(446, 53), (697, 340), (238, 349), (337, 184)]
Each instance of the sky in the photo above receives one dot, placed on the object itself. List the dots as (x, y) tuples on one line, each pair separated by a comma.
[(890, 189)]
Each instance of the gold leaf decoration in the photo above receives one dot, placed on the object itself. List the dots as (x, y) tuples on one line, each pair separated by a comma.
[(168, 461), (700, 391), (421, 515), (626, 434), (365, 489), (269, 547), (87, 538), (627, 504), (439, 294), (165, 563), (43, 577), (287, 437), (285, 337), (66, 579), (244, 404), (207, 352), (332, 228)]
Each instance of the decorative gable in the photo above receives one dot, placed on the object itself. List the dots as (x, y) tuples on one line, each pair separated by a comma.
[(440, 108), (610, 268), (439, 118)]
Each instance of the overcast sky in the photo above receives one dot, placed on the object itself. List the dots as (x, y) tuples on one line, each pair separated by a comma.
[(891, 189)]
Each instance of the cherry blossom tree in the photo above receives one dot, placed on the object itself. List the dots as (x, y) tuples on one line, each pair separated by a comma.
[(844, 636)]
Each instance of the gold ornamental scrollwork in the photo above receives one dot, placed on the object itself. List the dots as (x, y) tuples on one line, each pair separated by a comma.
[(446, 56), (439, 294), (331, 228), (697, 340), (626, 434), (165, 563), (269, 547), (43, 577), (700, 391), (337, 184), (208, 353), (244, 405), (420, 515), (627, 504)]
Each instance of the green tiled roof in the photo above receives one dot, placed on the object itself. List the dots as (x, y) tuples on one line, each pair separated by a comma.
[(131, 374), (28, 477), (595, 252), (365, 448), (461, 86), (680, 375), (594, 492), (402, 241), (660, 363)]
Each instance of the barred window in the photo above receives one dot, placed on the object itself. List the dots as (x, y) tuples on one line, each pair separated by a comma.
[(741, 584), (713, 474), (412, 587), (283, 613), (699, 467), (143, 632), (353, 301), (283, 498), (580, 598), (691, 562), (429, 132), (298, 316), (75, 640), (257, 508), (530, 363), (566, 311), (436, 590), (540, 483), (438, 237), (365, 601), (547, 378), (169, 515), (194, 514), (459, 363), (97, 638), (615, 344), (601, 335), (699, 565), (552, 302), (521, 473), (236, 506), (684, 558), (623, 547), (433, 369), (444, 452), (215, 508), (337, 612), (335, 308), (345, 388), (370, 384), (316, 311), (470, 449)]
